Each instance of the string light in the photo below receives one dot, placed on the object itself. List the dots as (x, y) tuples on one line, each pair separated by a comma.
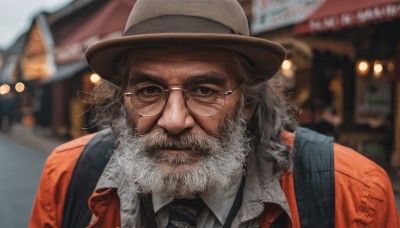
[(95, 78), (19, 87), (287, 68), (286, 65), (363, 67), (378, 69), (4, 89)]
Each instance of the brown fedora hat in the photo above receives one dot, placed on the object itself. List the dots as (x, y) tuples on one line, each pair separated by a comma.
[(186, 23)]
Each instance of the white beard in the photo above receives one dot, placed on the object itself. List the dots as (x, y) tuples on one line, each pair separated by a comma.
[(209, 166)]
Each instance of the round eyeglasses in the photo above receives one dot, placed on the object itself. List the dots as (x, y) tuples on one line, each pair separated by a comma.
[(149, 99)]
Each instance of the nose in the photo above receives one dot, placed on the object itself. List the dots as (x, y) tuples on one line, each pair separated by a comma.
[(176, 117)]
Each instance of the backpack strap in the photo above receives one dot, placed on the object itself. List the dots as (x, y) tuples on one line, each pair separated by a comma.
[(314, 178), (87, 171)]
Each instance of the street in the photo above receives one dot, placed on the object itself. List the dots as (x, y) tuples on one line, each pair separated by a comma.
[(20, 169)]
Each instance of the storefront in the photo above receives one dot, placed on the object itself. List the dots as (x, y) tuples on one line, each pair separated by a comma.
[(353, 73), (11, 88), (37, 63), (73, 81)]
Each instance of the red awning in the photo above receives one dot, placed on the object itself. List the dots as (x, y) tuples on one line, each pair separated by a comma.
[(339, 14), (111, 18), (109, 21)]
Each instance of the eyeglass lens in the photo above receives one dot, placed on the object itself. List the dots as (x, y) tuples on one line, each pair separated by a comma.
[(204, 100)]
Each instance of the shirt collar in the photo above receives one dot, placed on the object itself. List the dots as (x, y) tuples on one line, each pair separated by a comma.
[(113, 177), (262, 187)]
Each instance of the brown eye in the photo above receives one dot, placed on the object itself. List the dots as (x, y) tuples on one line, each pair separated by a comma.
[(203, 91), (149, 90)]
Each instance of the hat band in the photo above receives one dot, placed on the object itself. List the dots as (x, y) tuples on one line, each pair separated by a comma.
[(178, 24)]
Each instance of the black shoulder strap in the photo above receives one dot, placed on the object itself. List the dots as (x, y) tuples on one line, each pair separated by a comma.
[(314, 178), (88, 170)]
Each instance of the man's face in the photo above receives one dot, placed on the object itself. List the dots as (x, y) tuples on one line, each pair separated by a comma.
[(185, 152), (182, 68)]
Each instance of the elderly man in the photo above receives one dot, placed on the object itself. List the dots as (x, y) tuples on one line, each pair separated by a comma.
[(199, 137)]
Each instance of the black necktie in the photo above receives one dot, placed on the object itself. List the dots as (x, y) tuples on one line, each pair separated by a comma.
[(183, 212)]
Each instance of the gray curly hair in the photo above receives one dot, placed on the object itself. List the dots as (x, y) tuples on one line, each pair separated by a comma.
[(272, 114)]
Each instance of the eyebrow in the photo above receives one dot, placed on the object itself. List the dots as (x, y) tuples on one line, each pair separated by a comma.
[(140, 77), (209, 77)]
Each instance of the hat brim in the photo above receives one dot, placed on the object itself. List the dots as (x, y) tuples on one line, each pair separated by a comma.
[(265, 56)]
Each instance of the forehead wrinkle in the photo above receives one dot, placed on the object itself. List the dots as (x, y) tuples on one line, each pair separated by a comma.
[(136, 77), (209, 77)]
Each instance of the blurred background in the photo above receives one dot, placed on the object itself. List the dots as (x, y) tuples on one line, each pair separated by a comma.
[(342, 71)]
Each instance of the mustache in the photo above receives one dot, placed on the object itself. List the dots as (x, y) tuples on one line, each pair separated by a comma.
[(159, 140)]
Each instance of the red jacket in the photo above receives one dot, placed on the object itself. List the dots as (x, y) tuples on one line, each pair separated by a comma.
[(363, 193)]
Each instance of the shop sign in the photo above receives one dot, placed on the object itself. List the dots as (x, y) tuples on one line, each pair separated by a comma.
[(361, 16), (272, 14)]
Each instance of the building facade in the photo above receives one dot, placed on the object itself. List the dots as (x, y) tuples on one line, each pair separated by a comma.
[(342, 69)]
